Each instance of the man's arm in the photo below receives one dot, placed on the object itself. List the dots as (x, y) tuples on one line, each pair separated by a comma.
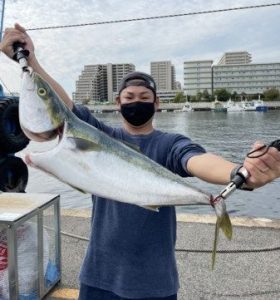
[(214, 169), (211, 168), (18, 34)]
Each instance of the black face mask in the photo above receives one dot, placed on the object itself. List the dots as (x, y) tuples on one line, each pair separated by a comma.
[(138, 113)]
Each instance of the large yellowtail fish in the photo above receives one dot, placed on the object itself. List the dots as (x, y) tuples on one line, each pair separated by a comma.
[(93, 162)]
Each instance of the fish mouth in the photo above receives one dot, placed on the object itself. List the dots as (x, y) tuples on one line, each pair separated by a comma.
[(43, 136), (60, 132)]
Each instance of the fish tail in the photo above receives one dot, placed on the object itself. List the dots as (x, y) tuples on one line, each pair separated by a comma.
[(223, 222), (225, 225)]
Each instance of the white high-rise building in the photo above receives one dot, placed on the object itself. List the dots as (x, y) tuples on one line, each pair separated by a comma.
[(164, 75), (197, 76), (236, 77), (235, 58), (248, 79), (91, 85), (99, 83), (115, 73)]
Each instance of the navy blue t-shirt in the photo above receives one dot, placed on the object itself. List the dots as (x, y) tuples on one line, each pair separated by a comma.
[(132, 250)]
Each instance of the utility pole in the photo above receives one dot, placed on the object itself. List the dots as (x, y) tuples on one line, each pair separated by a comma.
[(2, 6)]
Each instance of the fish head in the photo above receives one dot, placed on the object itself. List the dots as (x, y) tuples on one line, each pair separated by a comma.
[(41, 111)]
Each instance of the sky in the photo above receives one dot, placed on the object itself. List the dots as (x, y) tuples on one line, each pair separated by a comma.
[(64, 52)]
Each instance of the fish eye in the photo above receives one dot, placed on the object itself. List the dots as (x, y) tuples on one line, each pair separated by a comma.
[(42, 92)]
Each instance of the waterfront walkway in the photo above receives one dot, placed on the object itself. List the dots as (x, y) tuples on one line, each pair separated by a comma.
[(197, 106), (249, 267)]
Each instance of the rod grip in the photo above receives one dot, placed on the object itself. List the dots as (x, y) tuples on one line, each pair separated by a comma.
[(19, 51)]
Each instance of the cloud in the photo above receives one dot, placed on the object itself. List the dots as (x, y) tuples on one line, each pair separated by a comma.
[(64, 52)]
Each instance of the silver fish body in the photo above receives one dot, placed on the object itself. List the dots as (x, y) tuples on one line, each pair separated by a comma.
[(97, 164)]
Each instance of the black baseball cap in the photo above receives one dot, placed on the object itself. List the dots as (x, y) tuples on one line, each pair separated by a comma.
[(138, 79)]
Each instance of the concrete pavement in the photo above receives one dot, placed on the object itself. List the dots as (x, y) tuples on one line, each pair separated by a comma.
[(249, 268)]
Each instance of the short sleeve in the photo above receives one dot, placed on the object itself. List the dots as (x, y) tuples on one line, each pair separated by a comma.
[(180, 152)]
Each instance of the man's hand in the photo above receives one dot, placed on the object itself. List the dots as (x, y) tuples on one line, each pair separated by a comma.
[(16, 34), (263, 169)]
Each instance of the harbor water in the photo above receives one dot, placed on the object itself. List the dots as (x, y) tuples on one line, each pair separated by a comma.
[(230, 135)]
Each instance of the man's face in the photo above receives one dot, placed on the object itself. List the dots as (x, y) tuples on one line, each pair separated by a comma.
[(137, 93), (137, 116)]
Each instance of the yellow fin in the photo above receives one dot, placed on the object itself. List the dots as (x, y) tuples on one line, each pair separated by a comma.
[(151, 207), (132, 146), (85, 145), (225, 224)]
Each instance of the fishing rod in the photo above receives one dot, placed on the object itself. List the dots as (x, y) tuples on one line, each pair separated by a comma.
[(240, 174), (21, 55)]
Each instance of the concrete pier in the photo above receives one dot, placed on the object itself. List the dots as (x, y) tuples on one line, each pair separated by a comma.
[(197, 106), (247, 268)]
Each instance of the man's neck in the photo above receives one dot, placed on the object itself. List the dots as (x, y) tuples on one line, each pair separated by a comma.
[(136, 130)]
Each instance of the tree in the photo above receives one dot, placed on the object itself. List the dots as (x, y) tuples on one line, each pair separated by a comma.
[(192, 98), (234, 96), (222, 94), (85, 100), (243, 96), (198, 96), (205, 95), (179, 98), (271, 94)]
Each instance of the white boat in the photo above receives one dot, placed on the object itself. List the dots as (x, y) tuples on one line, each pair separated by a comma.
[(187, 107), (232, 106), (254, 105), (260, 105), (218, 106)]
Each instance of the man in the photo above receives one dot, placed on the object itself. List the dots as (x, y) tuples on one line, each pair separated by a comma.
[(131, 254)]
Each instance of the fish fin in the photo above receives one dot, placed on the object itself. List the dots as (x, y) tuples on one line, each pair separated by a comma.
[(85, 145), (80, 190), (151, 207), (132, 146), (225, 224), (75, 188)]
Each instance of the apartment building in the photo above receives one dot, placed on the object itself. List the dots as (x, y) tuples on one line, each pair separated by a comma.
[(246, 78), (99, 83), (164, 75), (236, 74), (235, 58), (197, 76), (91, 84)]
